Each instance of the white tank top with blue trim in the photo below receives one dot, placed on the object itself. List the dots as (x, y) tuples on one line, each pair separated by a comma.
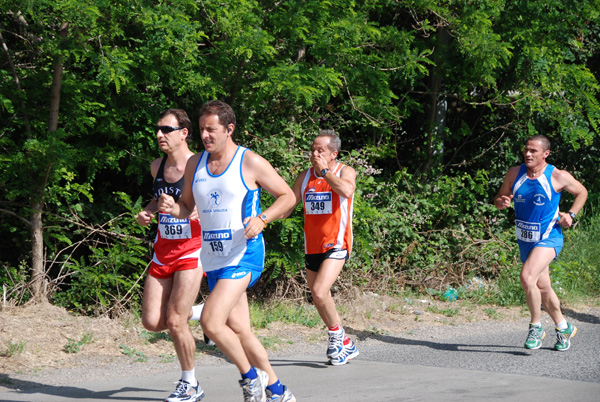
[(223, 202), (536, 206)]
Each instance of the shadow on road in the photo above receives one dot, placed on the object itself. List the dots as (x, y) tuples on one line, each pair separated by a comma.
[(34, 388), (583, 317), (363, 335)]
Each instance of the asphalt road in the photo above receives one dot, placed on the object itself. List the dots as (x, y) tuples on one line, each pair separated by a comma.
[(447, 363)]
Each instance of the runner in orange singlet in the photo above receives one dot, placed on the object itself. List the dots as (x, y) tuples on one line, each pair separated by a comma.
[(327, 192)]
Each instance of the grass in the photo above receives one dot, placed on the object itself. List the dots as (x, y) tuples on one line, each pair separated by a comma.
[(14, 348), (576, 273), (271, 342), (153, 337), (493, 313), (262, 314), (167, 358), (134, 354), (447, 311), (74, 346)]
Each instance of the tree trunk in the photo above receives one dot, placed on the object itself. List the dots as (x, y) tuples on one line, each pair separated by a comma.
[(38, 284), (436, 118)]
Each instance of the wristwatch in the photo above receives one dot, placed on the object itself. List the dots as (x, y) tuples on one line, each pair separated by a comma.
[(324, 172), (572, 215), (263, 218)]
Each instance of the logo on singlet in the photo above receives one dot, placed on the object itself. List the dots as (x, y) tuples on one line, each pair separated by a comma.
[(220, 234), (519, 198), (317, 197), (539, 199), (214, 197)]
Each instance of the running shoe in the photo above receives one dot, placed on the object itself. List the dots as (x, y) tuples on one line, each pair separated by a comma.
[(535, 336), (185, 392), (348, 353), (197, 312), (287, 396), (563, 337), (209, 341), (254, 390), (336, 343)]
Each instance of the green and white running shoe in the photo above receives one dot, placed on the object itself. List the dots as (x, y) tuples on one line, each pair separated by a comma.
[(563, 337), (535, 336)]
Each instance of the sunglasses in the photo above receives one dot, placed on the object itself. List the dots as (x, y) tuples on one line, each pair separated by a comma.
[(167, 129)]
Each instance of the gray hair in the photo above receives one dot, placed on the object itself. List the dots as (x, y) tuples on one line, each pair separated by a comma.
[(335, 144)]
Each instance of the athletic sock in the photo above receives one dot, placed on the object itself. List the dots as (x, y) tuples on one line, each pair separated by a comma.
[(535, 324), (189, 377), (276, 388), (197, 312), (251, 374), (336, 328), (562, 325)]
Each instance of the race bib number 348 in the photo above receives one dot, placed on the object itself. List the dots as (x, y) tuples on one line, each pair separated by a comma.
[(174, 229), (318, 203), (528, 231)]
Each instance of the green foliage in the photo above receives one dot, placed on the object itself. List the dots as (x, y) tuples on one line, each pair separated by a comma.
[(498, 70), (577, 270), (109, 277), (73, 346), (137, 356)]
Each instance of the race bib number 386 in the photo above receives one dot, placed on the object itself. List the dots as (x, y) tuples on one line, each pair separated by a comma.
[(174, 229), (528, 231), (318, 203)]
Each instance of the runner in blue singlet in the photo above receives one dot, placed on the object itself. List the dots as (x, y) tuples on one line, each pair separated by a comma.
[(535, 189)]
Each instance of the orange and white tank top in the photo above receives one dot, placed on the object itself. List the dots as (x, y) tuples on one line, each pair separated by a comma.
[(327, 215)]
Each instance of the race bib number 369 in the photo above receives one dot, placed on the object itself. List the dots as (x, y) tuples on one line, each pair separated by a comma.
[(318, 203), (174, 229), (528, 231)]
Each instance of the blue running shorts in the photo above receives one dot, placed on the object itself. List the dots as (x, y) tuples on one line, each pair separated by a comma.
[(554, 242), (232, 273)]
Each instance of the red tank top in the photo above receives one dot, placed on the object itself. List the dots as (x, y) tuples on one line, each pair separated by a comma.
[(327, 215)]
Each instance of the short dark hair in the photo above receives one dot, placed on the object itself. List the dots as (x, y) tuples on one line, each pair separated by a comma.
[(221, 109), (335, 144), (542, 139), (182, 120)]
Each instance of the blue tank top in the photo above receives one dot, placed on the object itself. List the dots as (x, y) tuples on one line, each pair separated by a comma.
[(223, 202), (536, 206)]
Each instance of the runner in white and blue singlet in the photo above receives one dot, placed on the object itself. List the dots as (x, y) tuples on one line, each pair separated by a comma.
[(535, 189), (224, 201)]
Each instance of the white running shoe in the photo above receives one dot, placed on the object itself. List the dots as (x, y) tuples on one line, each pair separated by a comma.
[(185, 392), (287, 396), (255, 390), (336, 343)]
